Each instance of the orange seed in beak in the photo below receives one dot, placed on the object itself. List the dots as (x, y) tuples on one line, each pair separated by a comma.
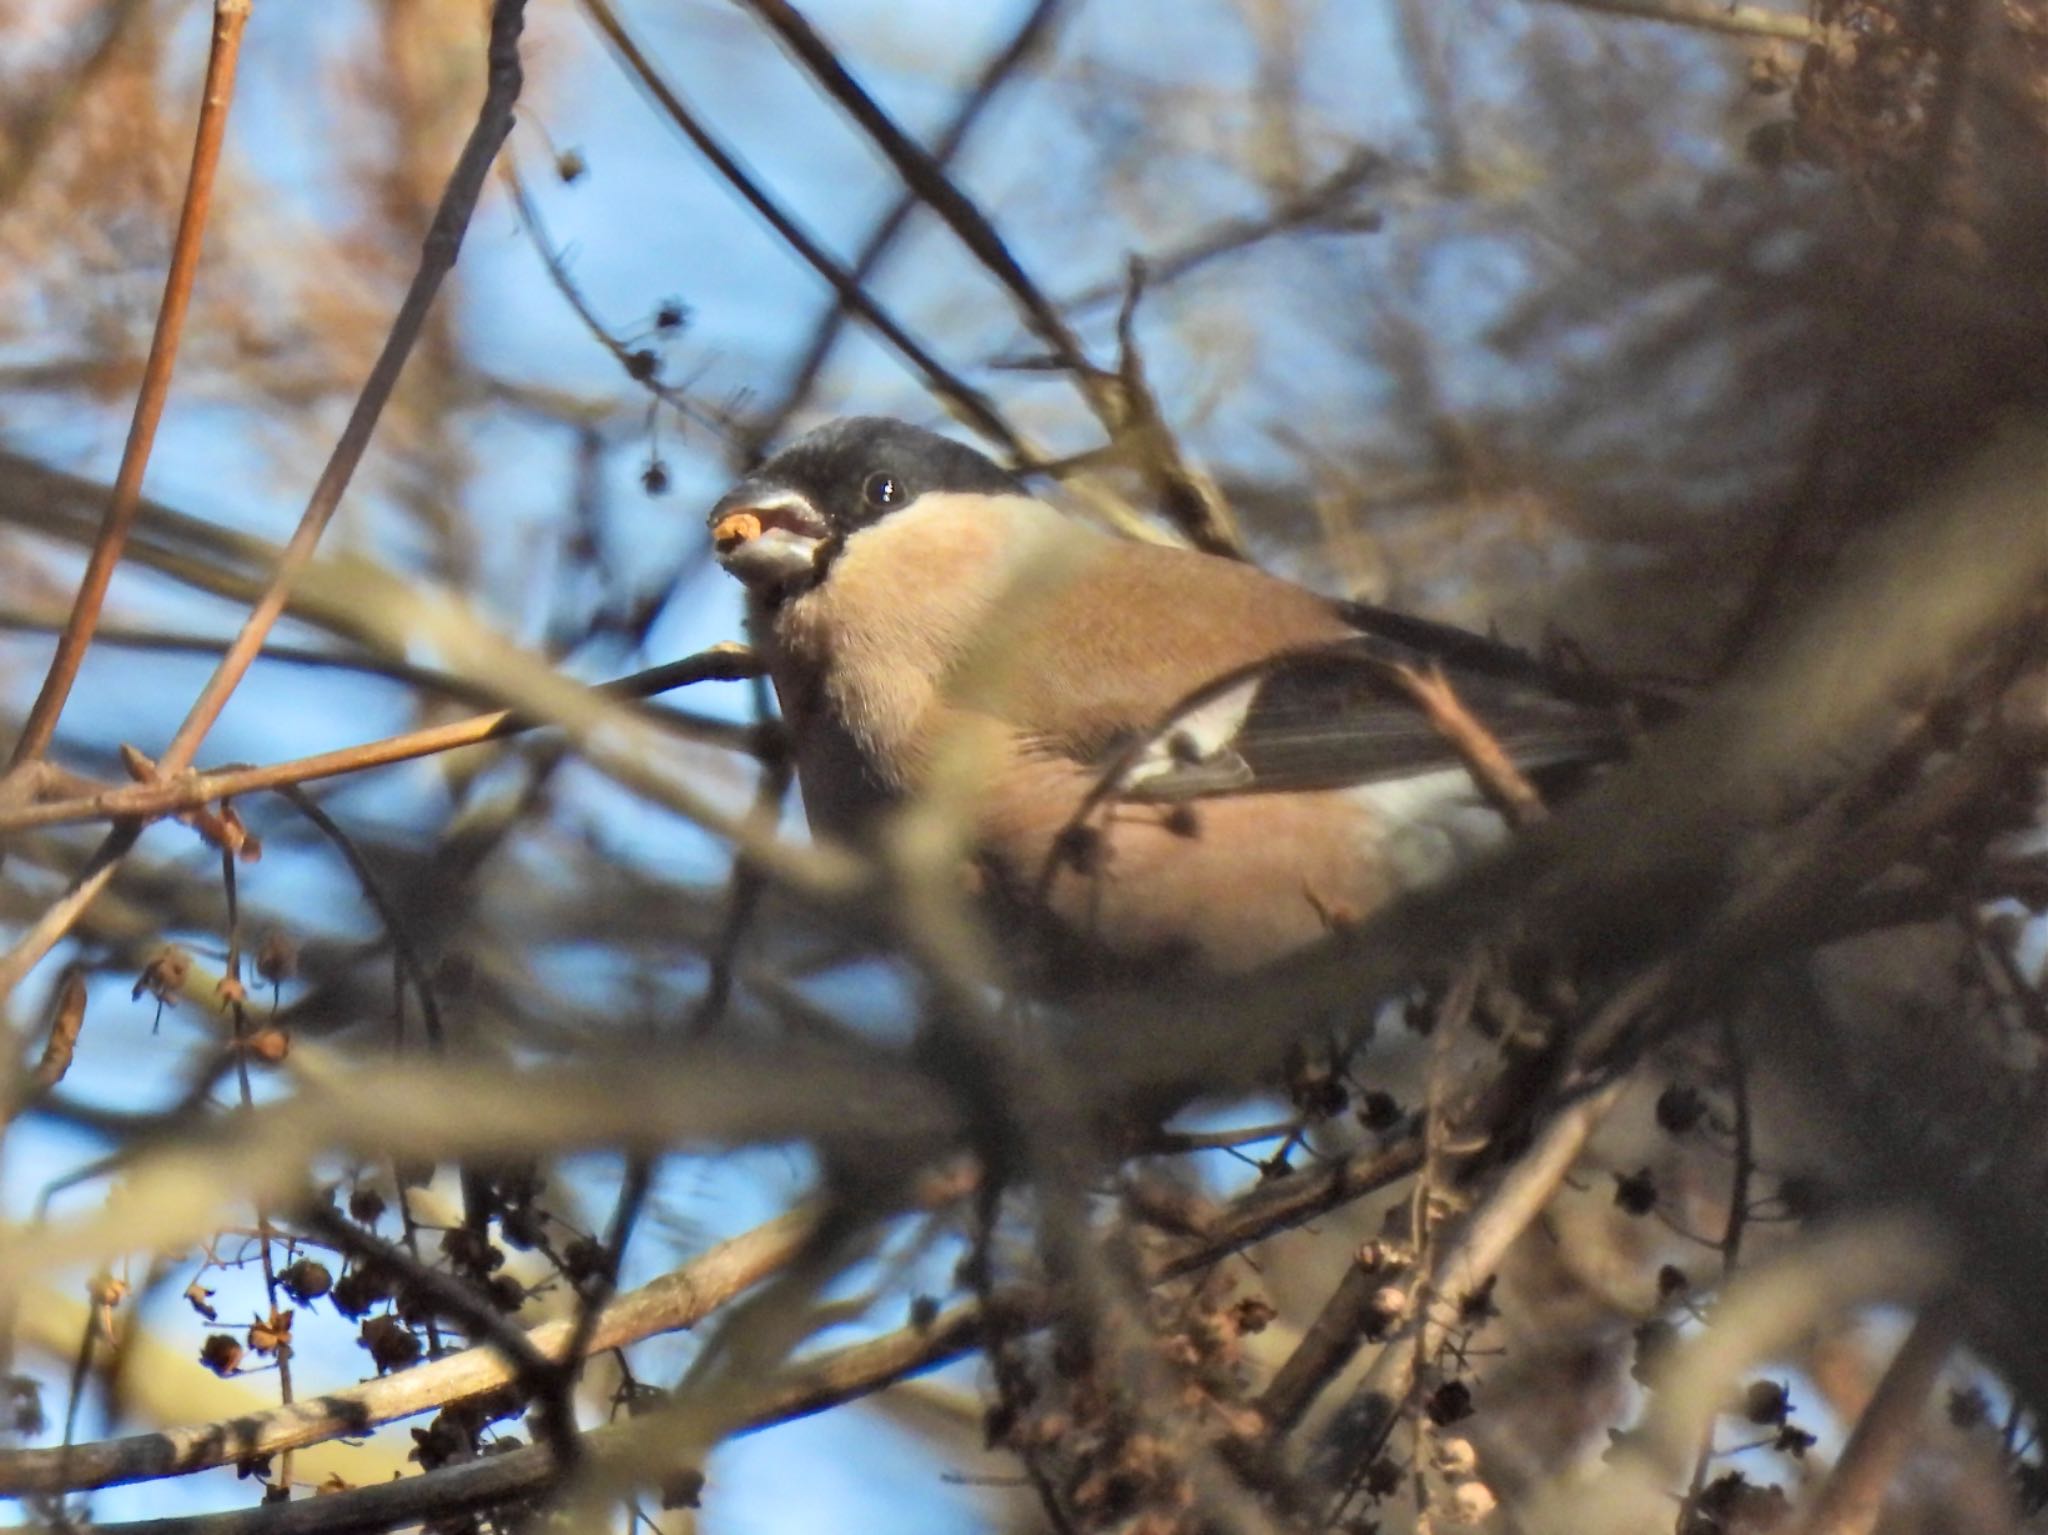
[(734, 529)]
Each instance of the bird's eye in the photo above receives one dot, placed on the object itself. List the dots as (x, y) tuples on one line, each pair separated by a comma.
[(880, 490)]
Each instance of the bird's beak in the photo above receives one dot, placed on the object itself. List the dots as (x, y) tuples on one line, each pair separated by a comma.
[(768, 543)]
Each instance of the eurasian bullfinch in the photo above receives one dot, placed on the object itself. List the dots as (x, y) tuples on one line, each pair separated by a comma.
[(1187, 763)]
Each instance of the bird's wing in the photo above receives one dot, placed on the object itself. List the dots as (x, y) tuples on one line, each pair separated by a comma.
[(1339, 715), (1178, 675)]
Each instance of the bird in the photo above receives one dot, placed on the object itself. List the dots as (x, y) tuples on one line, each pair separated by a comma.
[(1188, 766)]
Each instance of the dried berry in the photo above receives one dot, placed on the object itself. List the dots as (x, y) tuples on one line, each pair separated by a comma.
[(356, 1292), (1471, 1502), (1456, 1457), (1379, 1111), (1636, 1193), (1476, 1307), (1765, 1401), (683, 1490), (1450, 1402), (365, 1206), (1680, 1108), (1792, 1441), (268, 1045), (277, 961), (165, 974), (306, 1280), (1382, 1478), (221, 1354), (391, 1344)]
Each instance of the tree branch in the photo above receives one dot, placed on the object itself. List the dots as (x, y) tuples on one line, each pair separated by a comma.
[(229, 19)]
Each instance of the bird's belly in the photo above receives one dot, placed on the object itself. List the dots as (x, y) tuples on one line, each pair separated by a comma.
[(1226, 884), (1430, 825)]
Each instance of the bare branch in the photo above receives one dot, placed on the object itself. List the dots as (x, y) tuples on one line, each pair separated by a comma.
[(1707, 16), (973, 406), (229, 19), (1031, 36), (1853, 1495), (171, 795), (437, 260)]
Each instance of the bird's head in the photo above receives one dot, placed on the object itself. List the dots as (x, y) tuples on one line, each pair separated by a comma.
[(779, 528)]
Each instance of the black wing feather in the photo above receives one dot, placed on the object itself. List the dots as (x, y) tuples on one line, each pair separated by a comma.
[(1336, 718)]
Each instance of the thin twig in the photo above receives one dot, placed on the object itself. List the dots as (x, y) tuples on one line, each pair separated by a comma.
[(1030, 36), (923, 174), (170, 795), (1708, 16), (545, 1373), (1731, 1234), (494, 121), (1492, 769), (1333, 1338), (266, 1232), (1118, 399), (1481, 1245), (812, 1386), (1320, 204), (638, 365), (678, 1299), (437, 260), (229, 19), (170, 642), (410, 964), (67, 1018), (1854, 1493), (974, 407)]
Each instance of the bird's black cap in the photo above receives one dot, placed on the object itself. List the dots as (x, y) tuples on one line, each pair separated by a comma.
[(840, 469)]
